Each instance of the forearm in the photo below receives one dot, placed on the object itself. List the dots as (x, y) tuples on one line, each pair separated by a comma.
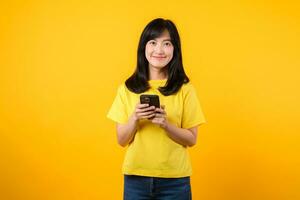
[(180, 135), (126, 132)]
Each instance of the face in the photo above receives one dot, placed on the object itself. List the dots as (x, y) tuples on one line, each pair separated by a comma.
[(159, 51)]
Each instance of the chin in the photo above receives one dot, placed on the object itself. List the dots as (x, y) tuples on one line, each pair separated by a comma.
[(158, 66)]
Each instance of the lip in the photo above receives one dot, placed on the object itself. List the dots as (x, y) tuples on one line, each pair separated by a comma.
[(159, 57)]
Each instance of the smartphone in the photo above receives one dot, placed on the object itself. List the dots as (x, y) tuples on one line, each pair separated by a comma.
[(151, 99)]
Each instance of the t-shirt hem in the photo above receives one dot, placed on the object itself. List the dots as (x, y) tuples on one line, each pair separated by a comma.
[(116, 120), (156, 174), (194, 124)]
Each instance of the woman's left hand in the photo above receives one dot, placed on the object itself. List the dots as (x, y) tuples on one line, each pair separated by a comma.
[(160, 117)]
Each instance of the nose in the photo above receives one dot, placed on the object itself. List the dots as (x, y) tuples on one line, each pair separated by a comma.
[(158, 48)]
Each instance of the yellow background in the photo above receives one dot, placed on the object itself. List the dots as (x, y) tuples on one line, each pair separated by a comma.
[(60, 65)]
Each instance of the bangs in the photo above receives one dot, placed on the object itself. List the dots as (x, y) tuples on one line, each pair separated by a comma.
[(157, 30)]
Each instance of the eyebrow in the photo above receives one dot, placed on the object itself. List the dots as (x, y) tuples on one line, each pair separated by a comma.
[(164, 40)]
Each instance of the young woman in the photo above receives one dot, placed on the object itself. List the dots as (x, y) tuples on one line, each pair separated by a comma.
[(157, 164)]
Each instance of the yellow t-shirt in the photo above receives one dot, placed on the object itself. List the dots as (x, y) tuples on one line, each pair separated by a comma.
[(152, 152)]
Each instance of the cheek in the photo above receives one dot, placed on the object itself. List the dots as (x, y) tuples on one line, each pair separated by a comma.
[(170, 52), (147, 52)]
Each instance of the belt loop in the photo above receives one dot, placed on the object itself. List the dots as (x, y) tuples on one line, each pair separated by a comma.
[(151, 186)]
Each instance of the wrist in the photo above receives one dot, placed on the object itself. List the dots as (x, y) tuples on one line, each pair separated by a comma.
[(166, 125), (134, 118)]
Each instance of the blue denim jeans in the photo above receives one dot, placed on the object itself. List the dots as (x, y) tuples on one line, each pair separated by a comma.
[(154, 188)]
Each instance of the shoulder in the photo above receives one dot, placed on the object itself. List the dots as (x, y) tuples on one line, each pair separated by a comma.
[(188, 88), (123, 90), (121, 87)]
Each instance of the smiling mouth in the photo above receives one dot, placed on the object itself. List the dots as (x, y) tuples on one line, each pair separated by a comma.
[(158, 57)]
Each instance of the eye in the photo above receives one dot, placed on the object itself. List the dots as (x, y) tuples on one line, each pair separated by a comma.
[(152, 42), (168, 44)]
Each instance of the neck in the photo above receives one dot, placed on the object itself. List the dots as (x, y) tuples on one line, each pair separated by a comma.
[(157, 74)]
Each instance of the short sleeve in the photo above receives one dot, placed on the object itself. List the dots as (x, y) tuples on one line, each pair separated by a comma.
[(117, 111), (192, 111)]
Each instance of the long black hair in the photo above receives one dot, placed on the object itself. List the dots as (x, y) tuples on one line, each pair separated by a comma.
[(138, 81)]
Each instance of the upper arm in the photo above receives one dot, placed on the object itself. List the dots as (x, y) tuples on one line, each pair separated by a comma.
[(118, 109), (119, 126), (192, 114)]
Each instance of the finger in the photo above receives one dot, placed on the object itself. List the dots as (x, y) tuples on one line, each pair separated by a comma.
[(151, 116), (159, 110), (157, 115), (147, 116), (142, 105), (148, 108), (142, 110), (156, 121), (145, 113)]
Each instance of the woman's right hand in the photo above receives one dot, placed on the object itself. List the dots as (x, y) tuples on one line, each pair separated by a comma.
[(143, 111)]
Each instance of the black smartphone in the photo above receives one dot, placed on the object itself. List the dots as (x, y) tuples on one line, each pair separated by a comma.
[(151, 99)]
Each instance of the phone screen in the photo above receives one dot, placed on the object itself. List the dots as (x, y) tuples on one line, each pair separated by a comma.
[(151, 99)]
